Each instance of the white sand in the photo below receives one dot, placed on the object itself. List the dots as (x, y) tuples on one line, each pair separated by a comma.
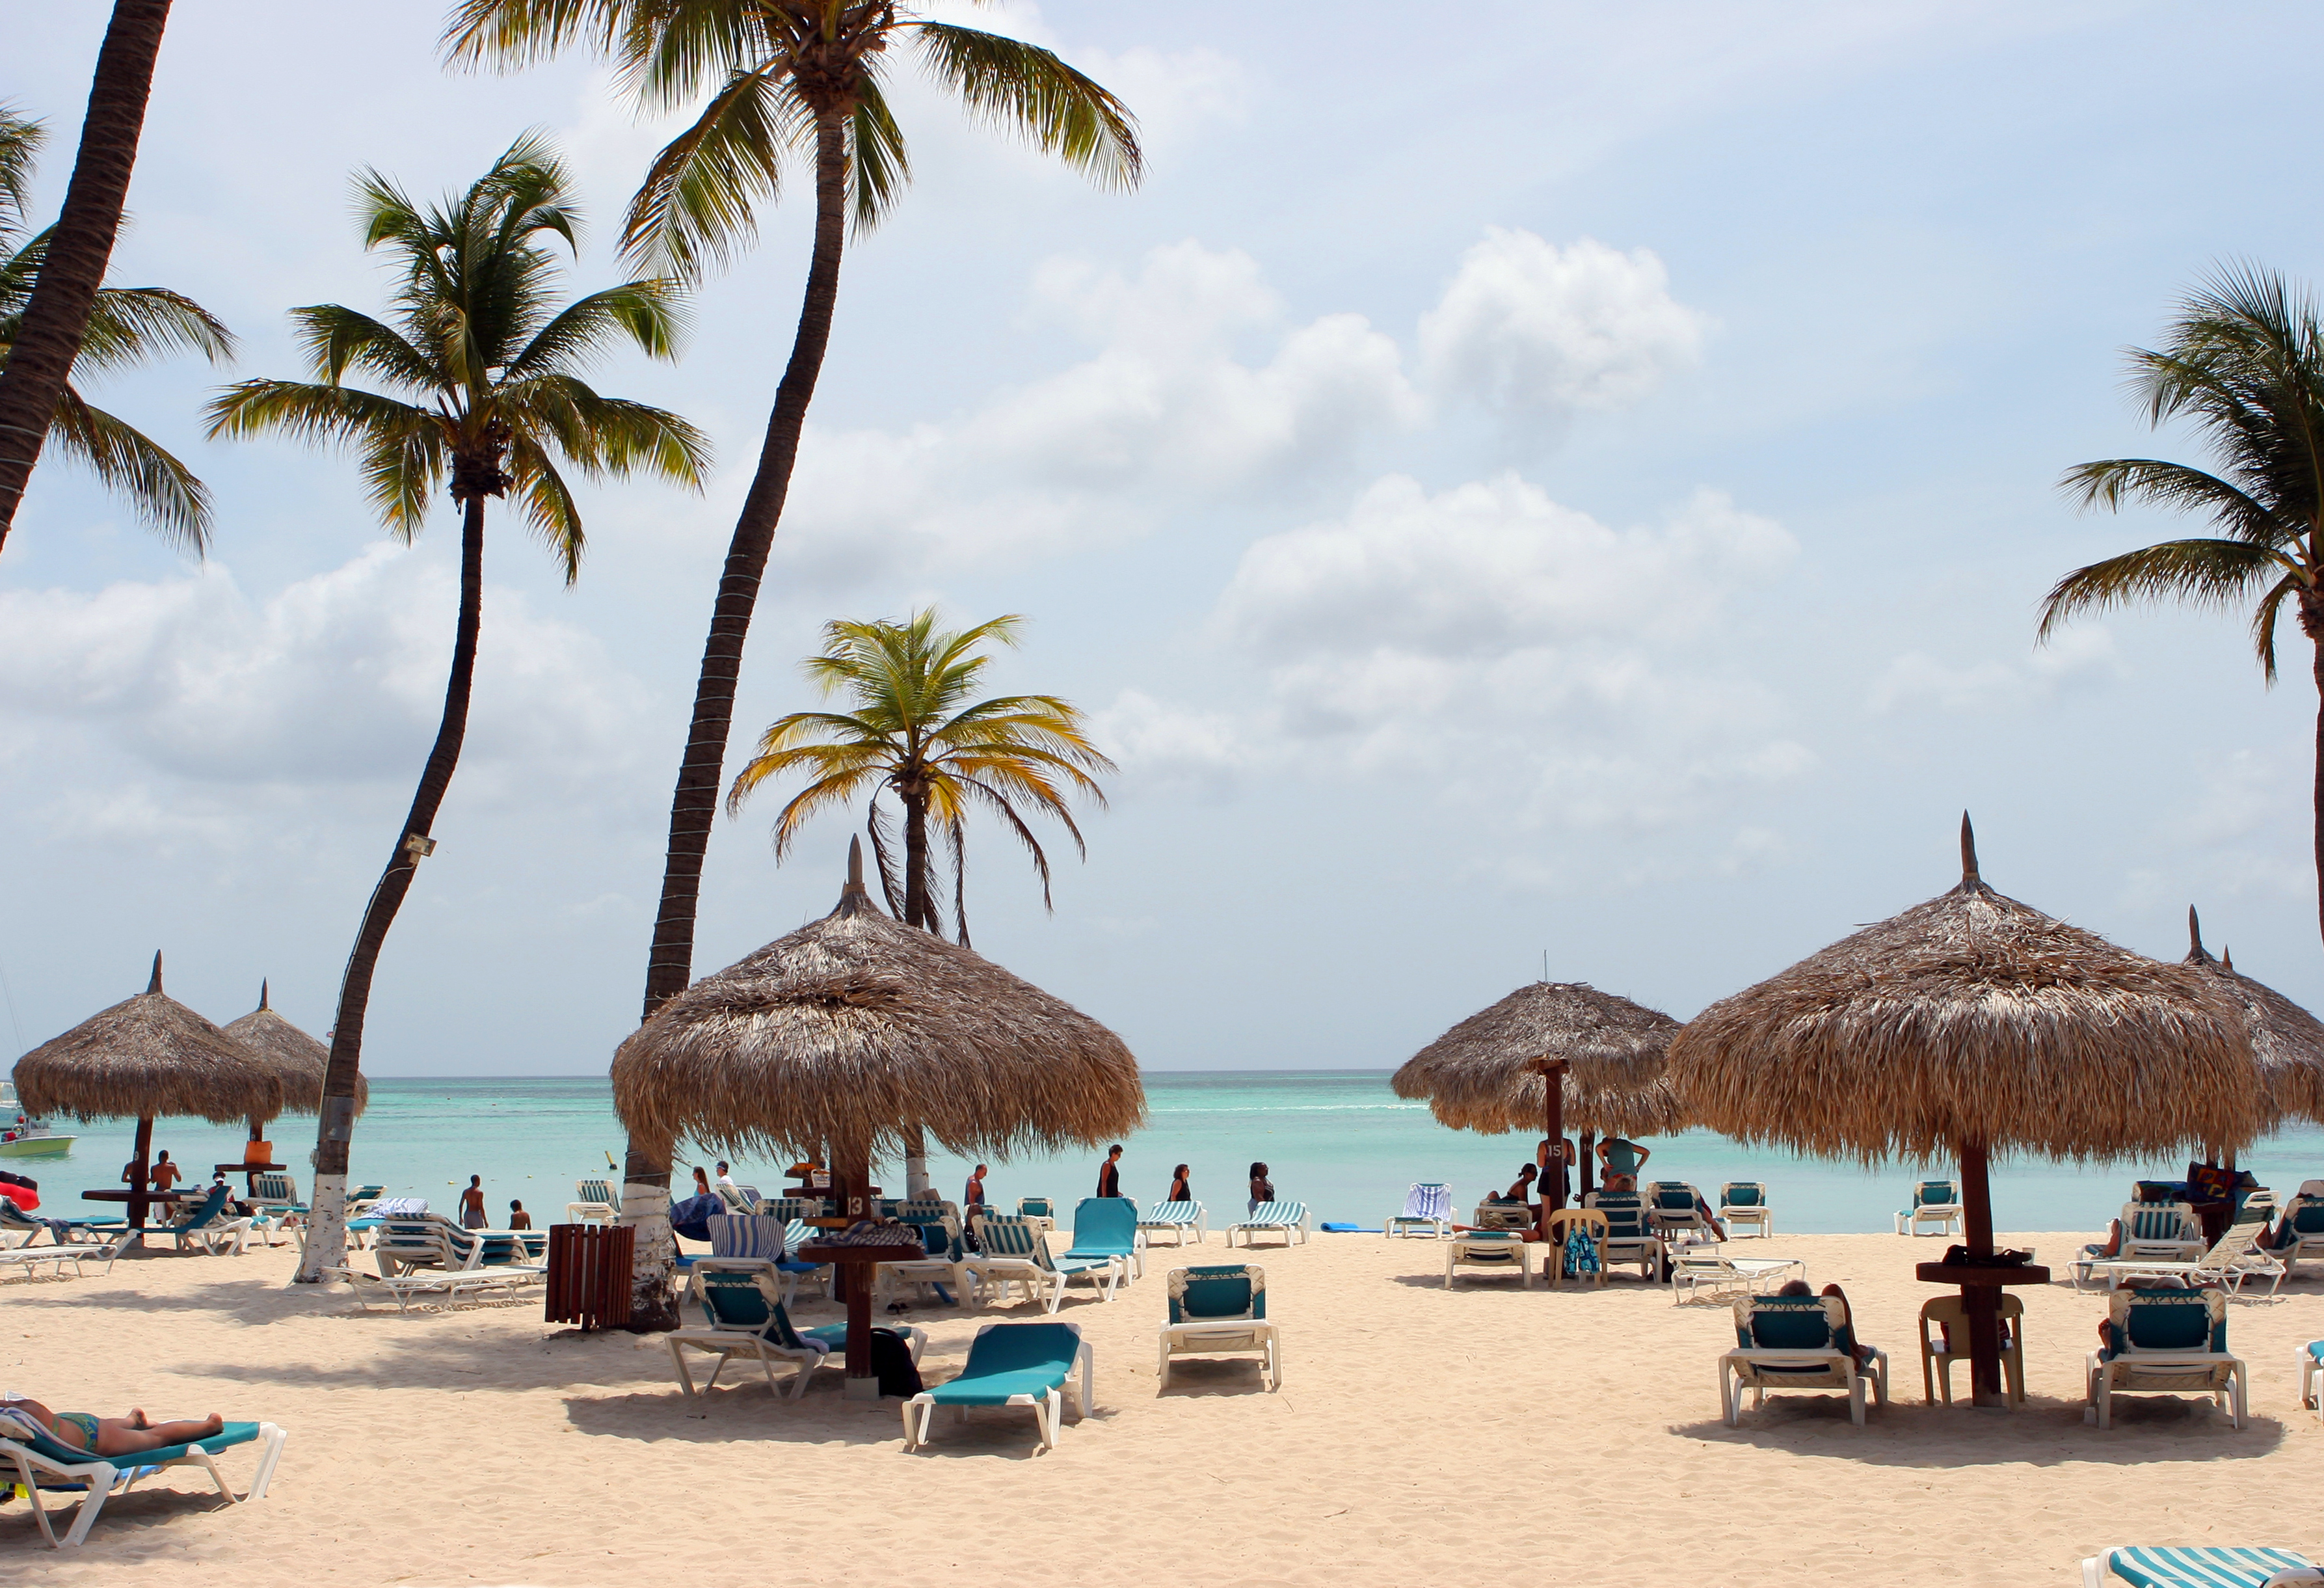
[(1483, 1436)]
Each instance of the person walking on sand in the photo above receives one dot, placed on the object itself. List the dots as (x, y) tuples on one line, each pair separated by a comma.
[(1182, 1189), (1262, 1189), (1108, 1173), (472, 1205), (975, 1195)]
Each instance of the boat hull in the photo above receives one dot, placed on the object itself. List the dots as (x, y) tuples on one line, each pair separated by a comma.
[(38, 1147)]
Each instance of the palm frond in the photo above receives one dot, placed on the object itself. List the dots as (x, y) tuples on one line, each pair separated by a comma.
[(160, 489), (652, 313), (878, 165), (21, 137), (2201, 573), (2263, 623), (337, 339), (547, 503), (1024, 88), (135, 324), (513, 33), (698, 202)]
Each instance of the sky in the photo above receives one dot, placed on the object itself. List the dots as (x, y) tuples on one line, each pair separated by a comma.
[(1570, 492)]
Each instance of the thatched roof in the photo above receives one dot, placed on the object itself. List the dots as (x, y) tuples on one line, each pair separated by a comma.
[(857, 1029), (1485, 1073), (1972, 1019), (147, 1058), (2287, 1040), (295, 1058)]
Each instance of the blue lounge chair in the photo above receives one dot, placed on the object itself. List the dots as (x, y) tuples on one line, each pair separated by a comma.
[(1744, 1202), (1934, 1201), (1428, 1206), (1494, 1250), (1107, 1227), (2167, 1342), (1177, 1217), (1010, 1364), (1286, 1219), (743, 1317), (1675, 1207), (1629, 1238), (42, 1463), (208, 1224), (2201, 1565), (1796, 1343), (1220, 1310)]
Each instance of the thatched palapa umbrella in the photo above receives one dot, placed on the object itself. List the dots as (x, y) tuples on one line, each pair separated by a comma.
[(1970, 1023), (145, 1058), (858, 1032), (1490, 1073), (2286, 1040), (297, 1059)]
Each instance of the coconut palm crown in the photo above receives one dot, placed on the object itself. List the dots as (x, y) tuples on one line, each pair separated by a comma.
[(2242, 363), (127, 327), (916, 732)]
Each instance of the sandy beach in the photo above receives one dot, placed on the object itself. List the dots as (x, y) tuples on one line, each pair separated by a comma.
[(1478, 1436)]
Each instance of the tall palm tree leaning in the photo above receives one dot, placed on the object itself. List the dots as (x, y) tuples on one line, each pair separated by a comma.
[(2244, 362), (789, 79), (482, 360), (127, 325), (913, 731), (57, 317)]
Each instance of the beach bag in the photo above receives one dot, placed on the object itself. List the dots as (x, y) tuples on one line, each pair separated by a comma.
[(892, 1365)]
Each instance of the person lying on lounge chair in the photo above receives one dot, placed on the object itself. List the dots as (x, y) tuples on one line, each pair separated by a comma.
[(103, 1436)]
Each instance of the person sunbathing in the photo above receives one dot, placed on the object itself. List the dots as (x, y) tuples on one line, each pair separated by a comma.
[(129, 1436)]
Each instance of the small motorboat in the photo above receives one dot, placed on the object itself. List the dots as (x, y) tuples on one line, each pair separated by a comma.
[(22, 1135)]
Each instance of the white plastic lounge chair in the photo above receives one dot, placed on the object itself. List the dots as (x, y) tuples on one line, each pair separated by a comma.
[(1796, 1343), (423, 1286), (1589, 1259), (1177, 1217), (1041, 1210), (745, 1317), (1427, 1207), (2234, 1259), (1702, 1268), (1495, 1251), (1107, 1227), (1940, 1350), (27, 1259), (1016, 1252), (1934, 1203), (1628, 1237), (1743, 1205), (2201, 1565), (1286, 1219), (2152, 1232), (593, 1203), (2303, 1218), (946, 1262), (1674, 1209), (1010, 1364), (42, 1463), (2167, 1342), (1220, 1310)]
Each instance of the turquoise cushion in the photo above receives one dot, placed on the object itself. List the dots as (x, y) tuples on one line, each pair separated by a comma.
[(2204, 1566), (995, 1388), (232, 1434)]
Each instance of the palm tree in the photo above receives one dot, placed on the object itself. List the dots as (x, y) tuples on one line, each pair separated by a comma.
[(2244, 362), (789, 79), (913, 732), (126, 326), (58, 315), (481, 360)]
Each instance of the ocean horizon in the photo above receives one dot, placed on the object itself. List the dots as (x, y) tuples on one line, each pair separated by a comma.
[(1340, 1141)]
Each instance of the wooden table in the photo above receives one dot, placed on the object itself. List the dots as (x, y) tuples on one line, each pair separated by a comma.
[(1980, 1285), (138, 1201), (853, 1264)]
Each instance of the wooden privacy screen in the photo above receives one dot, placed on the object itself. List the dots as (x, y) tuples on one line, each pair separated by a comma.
[(589, 1274)]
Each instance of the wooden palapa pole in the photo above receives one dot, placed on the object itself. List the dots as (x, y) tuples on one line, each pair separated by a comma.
[(1981, 1302)]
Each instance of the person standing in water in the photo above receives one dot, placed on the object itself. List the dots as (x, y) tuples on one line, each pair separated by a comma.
[(472, 1205), (1108, 1173)]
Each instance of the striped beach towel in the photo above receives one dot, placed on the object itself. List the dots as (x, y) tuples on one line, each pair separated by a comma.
[(2200, 1566)]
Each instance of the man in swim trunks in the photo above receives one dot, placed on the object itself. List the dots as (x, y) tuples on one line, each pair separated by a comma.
[(129, 1436)]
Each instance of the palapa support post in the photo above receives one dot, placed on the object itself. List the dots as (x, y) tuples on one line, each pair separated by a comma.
[(1981, 1302), (143, 1168), (1552, 1190), (1582, 1185), (851, 1184)]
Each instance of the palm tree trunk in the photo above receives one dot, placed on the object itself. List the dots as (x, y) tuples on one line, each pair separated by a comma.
[(919, 898), (2315, 633), (326, 1236), (56, 316), (695, 804)]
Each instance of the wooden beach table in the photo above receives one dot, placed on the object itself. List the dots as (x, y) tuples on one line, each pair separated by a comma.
[(139, 1201), (853, 1264)]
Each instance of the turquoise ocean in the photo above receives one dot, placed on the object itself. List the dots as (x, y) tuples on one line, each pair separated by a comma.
[(1337, 1140)]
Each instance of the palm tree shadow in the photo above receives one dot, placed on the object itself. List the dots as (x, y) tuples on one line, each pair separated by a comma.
[(2045, 1431)]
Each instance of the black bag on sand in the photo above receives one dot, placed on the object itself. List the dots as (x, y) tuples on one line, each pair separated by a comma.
[(891, 1364)]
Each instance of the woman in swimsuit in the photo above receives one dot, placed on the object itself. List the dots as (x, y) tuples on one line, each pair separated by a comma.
[(129, 1436), (1182, 1189)]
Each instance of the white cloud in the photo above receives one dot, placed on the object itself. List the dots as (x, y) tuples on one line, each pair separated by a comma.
[(2077, 658), (1539, 331)]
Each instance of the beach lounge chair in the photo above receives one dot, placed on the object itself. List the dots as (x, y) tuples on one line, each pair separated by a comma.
[(1040, 1210), (1220, 1310), (1787, 1342), (752, 1236), (209, 1225), (1428, 1207), (1743, 1205), (946, 1264), (1674, 1209), (1499, 1250), (2234, 1258), (1584, 1257), (791, 1209), (1496, 1214), (2299, 1234), (2152, 1232), (1010, 1364), (2166, 1343), (744, 1317), (1629, 1239), (1177, 1217), (1016, 1252), (593, 1203), (1286, 1219), (1694, 1272), (23, 1228), (42, 1463), (1934, 1201), (26, 1260), (1940, 1349), (422, 1287), (1107, 1227), (2200, 1565)]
